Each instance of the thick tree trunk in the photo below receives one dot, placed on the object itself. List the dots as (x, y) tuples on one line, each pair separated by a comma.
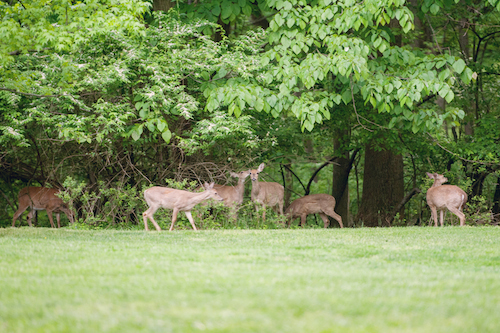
[(383, 187), (163, 5)]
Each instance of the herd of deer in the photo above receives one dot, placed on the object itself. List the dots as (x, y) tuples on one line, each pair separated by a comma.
[(265, 194)]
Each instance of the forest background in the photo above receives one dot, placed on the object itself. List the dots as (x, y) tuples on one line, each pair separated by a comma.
[(357, 99)]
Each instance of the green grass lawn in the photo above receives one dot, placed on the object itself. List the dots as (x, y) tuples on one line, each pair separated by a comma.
[(350, 280)]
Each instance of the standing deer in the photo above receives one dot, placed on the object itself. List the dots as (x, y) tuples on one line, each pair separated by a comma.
[(266, 194), (440, 197), (42, 198), (322, 204), (233, 195), (178, 200)]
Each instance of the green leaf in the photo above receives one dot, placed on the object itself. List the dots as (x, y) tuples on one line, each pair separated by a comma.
[(166, 135), (216, 10), (466, 75), (434, 9), (161, 125), (449, 96), (151, 126), (259, 104), (389, 88), (226, 10), (459, 66)]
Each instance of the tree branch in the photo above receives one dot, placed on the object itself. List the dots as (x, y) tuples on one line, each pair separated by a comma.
[(29, 94)]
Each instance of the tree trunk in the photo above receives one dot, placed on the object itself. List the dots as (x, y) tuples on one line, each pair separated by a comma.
[(383, 187), (289, 184), (340, 181), (163, 5), (495, 210)]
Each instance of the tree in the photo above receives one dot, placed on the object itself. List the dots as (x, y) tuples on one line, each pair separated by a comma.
[(326, 53)]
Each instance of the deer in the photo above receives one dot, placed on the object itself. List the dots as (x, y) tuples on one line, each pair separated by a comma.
[(42, 198), (266, 193), (441, 197), (322, 204), (233, 195), (178, 200)]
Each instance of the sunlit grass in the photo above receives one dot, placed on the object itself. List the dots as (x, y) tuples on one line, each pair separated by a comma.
[(350, 280)]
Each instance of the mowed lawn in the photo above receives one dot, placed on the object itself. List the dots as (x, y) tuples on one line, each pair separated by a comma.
[(351, 280)]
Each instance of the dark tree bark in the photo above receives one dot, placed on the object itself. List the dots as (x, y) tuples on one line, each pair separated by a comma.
[(288, 176), (162, 5), (340, 182), (496, 203), (383, 187)]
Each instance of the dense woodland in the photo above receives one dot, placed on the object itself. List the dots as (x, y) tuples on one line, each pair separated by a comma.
[(357, 99)]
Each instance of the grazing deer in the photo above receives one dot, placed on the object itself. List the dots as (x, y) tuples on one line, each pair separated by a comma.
[(266, 194), (178, 200), (42, 198), (440, 197), (322, 204)]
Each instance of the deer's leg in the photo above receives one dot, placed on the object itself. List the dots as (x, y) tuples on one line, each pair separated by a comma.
[(303, 218), (263, 213), (17, 215), (148, 214), (174, 218), (30, 216), (49, 213), (58, 218), (434, 216), (145, 219), (459, 214), (190, 218), (325, 219), (441, 217), (335, 216)]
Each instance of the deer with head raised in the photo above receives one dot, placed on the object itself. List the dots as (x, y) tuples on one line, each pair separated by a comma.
[(233, 195), (266, 193), (441, 197), (42, 198), (322, 204), (178, 200)]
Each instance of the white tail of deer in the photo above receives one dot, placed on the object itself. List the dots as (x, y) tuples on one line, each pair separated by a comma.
[(266, 194), (441, 197), (42, 198), (322, 204), (178, 200)]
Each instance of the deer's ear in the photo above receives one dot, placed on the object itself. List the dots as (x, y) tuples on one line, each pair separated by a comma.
[(430, 175), (261, 167), (234, 174), (211, 185), (205, 185)]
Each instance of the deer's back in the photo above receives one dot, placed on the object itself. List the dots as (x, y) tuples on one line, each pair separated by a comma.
[(311, 204), (230, 194), (269, 193), (170, 198), (445, 195), (39, 197)]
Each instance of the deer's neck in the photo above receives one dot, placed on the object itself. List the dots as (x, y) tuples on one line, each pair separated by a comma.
[(255, 187), (240, 187), (436, 184)]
